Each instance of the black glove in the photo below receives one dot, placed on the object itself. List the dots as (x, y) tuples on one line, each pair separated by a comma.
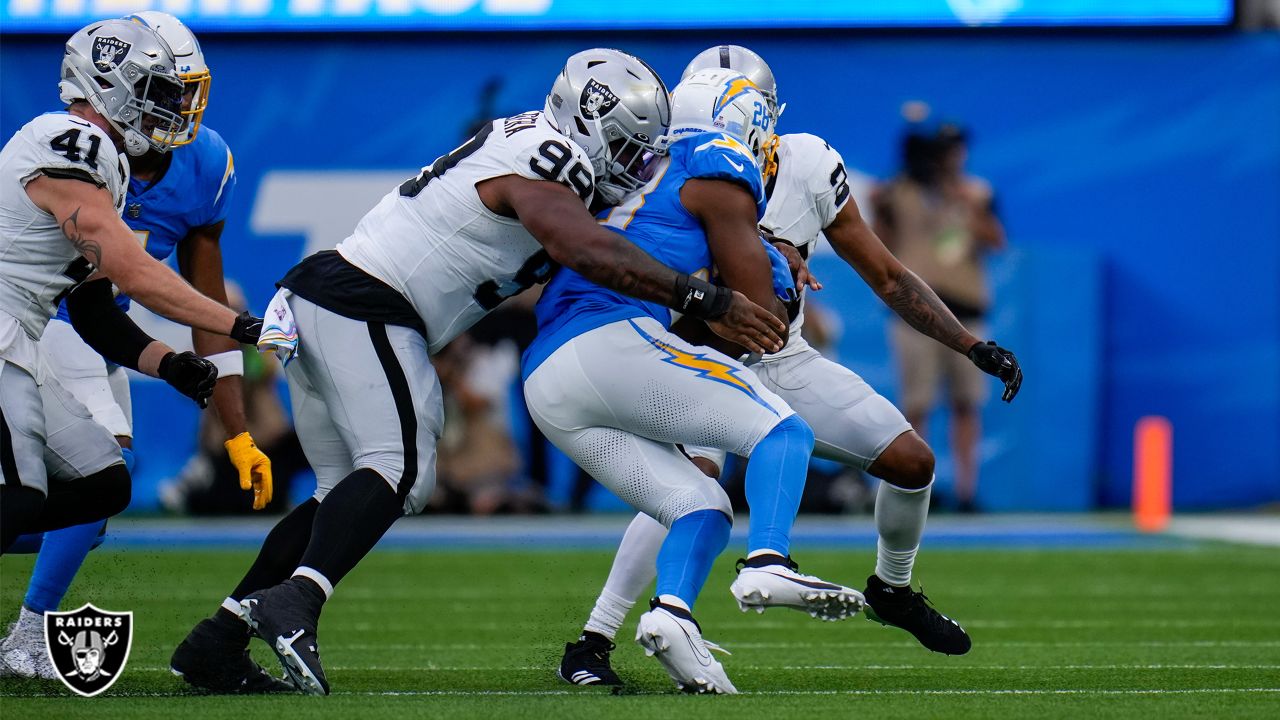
[(190, 375), (246, 329), (995, 360)]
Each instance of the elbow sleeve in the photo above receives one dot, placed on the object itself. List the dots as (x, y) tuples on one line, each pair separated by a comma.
[(104, 325)]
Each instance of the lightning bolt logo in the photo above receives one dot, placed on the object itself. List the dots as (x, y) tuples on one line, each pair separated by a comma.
[(724, 141), (704, 366), (732, 90)]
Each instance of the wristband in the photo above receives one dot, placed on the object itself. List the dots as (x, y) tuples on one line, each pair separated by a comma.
[(699, 298), (230, 362)]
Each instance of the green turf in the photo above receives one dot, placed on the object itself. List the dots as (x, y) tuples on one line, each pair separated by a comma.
[(1081, 633)]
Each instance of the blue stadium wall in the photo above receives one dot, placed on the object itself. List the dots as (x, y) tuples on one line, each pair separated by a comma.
[(1138, 176)]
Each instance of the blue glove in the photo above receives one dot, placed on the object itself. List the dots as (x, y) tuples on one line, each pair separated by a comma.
[(783, 285)]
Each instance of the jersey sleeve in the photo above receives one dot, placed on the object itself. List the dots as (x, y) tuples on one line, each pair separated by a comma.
[(720, 157), (540, 153), (61, 145), (219, 173), (828, 181)]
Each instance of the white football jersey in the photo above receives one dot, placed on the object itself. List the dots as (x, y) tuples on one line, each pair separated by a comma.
[(38, 265), (805, 195), (434, 241)]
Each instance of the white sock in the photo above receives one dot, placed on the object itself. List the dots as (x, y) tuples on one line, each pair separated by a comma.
[(900, 516), (29, 620), (634, 567), (608, 614), (233, 606), (673, 601), (316, 577)]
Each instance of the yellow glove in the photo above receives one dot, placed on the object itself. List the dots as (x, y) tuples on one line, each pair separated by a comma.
[(254, 468)]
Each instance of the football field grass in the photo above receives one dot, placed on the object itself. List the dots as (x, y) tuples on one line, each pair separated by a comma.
[(1175, 631)]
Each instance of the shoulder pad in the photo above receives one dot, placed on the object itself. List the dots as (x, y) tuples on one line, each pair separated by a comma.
[(542, 153), (719, 156), (70, 147)]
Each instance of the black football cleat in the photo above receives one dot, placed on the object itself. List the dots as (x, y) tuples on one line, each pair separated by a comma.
[(910, 610), (286, 616), (214, 658), (586, 662)]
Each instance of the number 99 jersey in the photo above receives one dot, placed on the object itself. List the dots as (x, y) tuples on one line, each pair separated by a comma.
[(38, 265), (434, 241)]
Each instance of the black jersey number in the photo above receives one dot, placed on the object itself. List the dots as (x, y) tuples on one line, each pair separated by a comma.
[(840, 181), (553, 163), (68, 144), (445, 163), (77, 270), (535, 270)]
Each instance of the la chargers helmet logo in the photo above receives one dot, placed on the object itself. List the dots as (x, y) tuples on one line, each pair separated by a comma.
[(88, 647), (597, 100), (108, 52)]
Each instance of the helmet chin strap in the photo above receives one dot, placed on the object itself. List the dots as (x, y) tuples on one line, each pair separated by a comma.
[(135, 143)]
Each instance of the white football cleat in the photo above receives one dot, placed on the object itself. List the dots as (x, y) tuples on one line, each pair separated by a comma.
[(769, 581), (23, 652), (673, 636)]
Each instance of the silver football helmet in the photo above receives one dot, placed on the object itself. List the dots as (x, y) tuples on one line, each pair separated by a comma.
[(736, 57), (615, 107), (126, 71), (192, 68)]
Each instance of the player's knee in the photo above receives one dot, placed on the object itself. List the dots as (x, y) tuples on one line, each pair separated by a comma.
[(688, 500), (707, 466), (908, 463), (794, 429), (114, 489)]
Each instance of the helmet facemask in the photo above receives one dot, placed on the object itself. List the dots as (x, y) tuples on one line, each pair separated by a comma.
[(195, 99)]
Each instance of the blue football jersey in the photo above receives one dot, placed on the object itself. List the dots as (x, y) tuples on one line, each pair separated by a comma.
[(194, 192), (656, 221)]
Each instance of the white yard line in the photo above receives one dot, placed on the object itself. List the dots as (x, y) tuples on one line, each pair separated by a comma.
[(1250, 529), (961, 668)]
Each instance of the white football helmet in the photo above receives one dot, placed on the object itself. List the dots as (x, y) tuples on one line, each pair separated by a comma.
[(192, 68), (724, 101), (736, 57), (127, 73), (615, 107)]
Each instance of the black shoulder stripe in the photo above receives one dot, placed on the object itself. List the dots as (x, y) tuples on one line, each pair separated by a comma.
[(60, 173)]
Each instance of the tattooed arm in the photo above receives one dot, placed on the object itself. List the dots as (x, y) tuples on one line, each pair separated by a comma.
[(556, 217), (89, 220), (902, 290)]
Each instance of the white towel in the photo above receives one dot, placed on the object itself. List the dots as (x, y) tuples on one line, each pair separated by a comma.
[(279, 331)]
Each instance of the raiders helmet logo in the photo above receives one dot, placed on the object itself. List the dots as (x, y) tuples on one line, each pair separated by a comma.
[(88, 647), (108, 52), (597, 100)]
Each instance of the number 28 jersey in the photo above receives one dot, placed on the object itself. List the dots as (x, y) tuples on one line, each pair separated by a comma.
[(38, 265), (435, 242)]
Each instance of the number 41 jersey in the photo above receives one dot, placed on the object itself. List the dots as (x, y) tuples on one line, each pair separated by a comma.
[(38, 265), (435, 242)]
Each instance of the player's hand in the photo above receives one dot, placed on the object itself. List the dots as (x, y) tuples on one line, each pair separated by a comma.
[(189, 374), (749, 325), (783, 284), (254, 468), (799, 267), (995, 360), (246, 329)]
